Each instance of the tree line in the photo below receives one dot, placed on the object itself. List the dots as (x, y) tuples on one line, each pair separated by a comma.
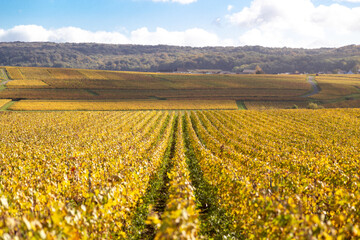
[(172, 58)]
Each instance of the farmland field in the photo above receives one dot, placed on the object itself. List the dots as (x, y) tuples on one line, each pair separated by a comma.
[(26, 84), (3, 102), (29, 105), (338, 91), (335, 86), (75, 164), (81, 84), (263, 105), (255, 91), (277, 174), (90, 79)]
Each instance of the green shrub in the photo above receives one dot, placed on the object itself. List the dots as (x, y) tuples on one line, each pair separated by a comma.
[(314, 106)]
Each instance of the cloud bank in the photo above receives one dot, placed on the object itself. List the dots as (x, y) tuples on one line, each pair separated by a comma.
[(270, 23), (297, 23), (195, 37)]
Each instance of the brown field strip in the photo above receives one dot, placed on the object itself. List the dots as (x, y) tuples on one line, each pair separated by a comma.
[(63, 94), (263, 105), (351, 103), (203, 94)]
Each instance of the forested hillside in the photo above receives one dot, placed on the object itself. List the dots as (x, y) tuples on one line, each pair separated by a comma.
[(170, 58)]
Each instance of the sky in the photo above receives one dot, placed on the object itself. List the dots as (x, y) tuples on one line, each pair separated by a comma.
[(196, 23)]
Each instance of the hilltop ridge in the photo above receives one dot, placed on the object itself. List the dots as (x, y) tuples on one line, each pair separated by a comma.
[(172, 58)]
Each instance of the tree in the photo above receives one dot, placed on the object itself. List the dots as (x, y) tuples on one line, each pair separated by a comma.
[(258, 70), (237, 69)]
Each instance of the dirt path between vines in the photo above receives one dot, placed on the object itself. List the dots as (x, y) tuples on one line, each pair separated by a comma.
[(6, 78), (315, 87)]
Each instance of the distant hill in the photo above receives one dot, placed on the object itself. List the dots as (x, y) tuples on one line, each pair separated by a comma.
[(171, 58)]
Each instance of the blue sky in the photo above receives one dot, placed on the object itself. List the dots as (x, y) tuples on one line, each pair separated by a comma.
[(273, 23)]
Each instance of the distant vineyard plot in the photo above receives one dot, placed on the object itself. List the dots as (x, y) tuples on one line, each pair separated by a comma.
[(257, 91), (338, 91), (30, 105), (336, 85), (3, 102), (263, 105), (26, 84), (120, 85)]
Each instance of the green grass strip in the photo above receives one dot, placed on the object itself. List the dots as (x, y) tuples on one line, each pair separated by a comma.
[(157, 192), (3, 79), (6, 106), (215, 224), (3, 75), (241, 105), (91, 92)]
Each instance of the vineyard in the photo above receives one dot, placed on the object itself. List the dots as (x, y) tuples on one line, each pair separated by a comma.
[(38, 105), (336, 85), (264, 105), (26, 84), (275, 174), (99, 79), (80, 84), (3, 102), (256, 92)]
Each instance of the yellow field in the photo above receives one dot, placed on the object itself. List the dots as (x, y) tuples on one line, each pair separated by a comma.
[(82, 78), (278, 174), (4, 101), (92, 74), (257, 91), (34, 73), (336, 86), (26, 84), (2, 76), (14, 73), (123, 105)]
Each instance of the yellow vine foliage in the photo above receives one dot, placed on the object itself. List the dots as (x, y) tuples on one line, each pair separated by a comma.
[(26, 83), (180, 219), (278, 174), (123, 105), (4, 101), (14, 73), (76, 176), (283, 174)]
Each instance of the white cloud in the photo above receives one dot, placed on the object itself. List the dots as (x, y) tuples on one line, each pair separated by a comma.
[(78, 35), (177, 1), (350, 1), (190, 37), (297, 23), (35, 33), (272, 23), (28, 32), (195, 37), (230, 7)]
